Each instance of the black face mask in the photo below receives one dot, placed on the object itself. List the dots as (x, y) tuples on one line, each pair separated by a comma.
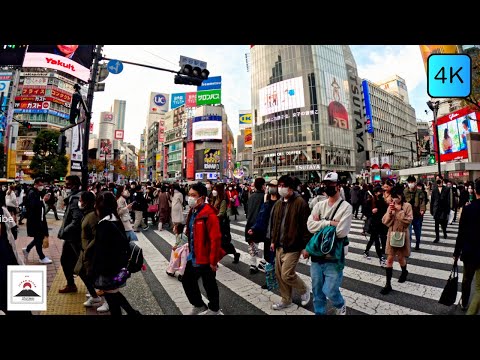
[(330, 190)]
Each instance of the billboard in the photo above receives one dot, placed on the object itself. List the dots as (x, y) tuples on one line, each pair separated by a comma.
[(190, 163), (428, 50), (177, 100), (336, 101), (77, 147), (12, 54), (284, 95), (212, 83), (452, 130), (191, 99), (209, 97), (106, 148), (248, 137), (4, 89), (211, 159), (158, 162), (245, 118), (207, 130), (107, 117), (368, 108), (158, 103), (75, 60), (118, 135)]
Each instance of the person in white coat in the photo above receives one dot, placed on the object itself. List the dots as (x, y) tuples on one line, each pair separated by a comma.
[(124, 212), (177, 205), (11, 202)]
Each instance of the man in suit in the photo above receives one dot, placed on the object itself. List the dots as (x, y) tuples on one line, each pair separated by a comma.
[(467, 248), (440, 207)]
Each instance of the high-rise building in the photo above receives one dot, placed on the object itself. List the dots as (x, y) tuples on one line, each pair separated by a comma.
[(302, 111), (119, 113), (395, 85)]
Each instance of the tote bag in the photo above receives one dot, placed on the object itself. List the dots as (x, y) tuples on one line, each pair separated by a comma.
[(449, 293)]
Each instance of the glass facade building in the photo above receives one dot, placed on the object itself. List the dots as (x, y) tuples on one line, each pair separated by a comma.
[(302, 113)]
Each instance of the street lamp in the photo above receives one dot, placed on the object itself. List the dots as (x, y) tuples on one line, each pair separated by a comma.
[(433, 105), (411, 142)]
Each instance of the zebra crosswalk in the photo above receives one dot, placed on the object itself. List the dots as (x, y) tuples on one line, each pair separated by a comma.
[(241, 292)]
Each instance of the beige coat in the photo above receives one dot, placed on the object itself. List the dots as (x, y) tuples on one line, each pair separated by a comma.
[(399, 221)]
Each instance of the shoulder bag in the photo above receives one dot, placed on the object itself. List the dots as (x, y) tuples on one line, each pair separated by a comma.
[(397, 239)]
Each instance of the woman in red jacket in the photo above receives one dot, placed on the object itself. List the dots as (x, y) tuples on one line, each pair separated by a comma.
[(204, 241), (233, 200)]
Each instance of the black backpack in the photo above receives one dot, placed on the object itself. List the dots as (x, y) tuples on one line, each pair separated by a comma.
[(135, 260)]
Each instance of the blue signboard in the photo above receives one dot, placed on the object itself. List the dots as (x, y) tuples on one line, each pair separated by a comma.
[(212, 83), (115, 66), (207, 118), (368, 108), (177, 100)]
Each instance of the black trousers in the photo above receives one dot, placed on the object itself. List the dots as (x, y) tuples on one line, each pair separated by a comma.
[(192, 290), (116, 301), (468, 274), (69, 258), (37, 242), (443, 223), (54, 208), (377, 239), (356, 207)]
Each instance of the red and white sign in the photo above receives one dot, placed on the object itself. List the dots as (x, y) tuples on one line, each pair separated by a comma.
[(57, 62), (61, 95), (118, 134), (31, 98), (33, 105), (107, 117), (33, 91), (91, 128), (191, 100)]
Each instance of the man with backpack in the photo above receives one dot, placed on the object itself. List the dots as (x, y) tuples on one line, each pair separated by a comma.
[(333, 218), (416, 198)]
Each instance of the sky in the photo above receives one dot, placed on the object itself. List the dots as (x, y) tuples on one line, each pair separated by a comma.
[(134, 84)]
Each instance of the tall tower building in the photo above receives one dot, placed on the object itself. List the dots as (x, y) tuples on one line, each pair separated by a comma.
[(119, 113)]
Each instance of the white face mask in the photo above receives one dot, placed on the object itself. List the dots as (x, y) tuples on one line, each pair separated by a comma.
[(214, 192), (411, 185), (40, 188), (470, 191), (125, 194), (67, 191), (80, 205), (283, 191), (192, 201), (230, 188)]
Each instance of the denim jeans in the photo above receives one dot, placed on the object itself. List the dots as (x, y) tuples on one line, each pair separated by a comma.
[(326, 281), (131, 236), (417, 228)]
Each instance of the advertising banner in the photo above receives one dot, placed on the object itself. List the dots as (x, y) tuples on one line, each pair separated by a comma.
[(211, 159), (452, 130), (118, 135), (161, 134), (356, 103), (165, 161), (248, 137), (75, 60), (61, 95), (368, 108), (284, 95), (91, 127), (245, 118), (32, 105), (77, 148), (33, 91), (209, 97), (190, 163), (107, 117), (106, 148), (207, 118), (6, 76), (428, 50), (4, 89), (158, 103), (12, 54), (42, 81), (177, 100), (158, 163), (207, 130), (212, 83), (191, 99), (336, 101)]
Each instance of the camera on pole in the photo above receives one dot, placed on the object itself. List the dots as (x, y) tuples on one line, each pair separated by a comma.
[(189, 75)]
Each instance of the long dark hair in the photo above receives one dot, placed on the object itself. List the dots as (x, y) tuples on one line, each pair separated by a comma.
[(445, 134), (106, 205), (398, 191), (88, 199), (120, 189), (220, 187)]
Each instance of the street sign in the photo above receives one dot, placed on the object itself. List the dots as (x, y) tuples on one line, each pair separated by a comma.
[(193, 62), (115, 66), (100, 87), (102, 73)]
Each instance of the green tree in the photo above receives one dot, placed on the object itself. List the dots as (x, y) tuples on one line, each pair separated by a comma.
[(47, 163), (473, 101)]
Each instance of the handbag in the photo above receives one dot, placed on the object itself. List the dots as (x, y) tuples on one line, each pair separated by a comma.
[(397, 239), (449, 293), (152, 208)]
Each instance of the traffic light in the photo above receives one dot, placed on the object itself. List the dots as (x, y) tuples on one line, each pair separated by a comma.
[(189, 75), (62, 143), (431, 160), (74, 109), (26, 124)]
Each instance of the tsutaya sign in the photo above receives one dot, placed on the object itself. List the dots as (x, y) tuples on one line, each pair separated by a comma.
[(308, 167)]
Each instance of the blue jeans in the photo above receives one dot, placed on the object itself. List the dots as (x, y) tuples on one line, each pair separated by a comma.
[(417, 228), (131, 236), (326, 281)]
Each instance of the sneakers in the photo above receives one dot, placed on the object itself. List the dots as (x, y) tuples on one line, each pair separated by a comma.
[(341, 311), (146, 227), (92, 300), (170, 274), (211, 312), (25, 255), (180, 278), (68, 289), (366, 255), (261, 265), (236, 258), (281, 306), (45, 260), (253, 269), (383, 262), (306, 297), (198, 310), (104, 307)]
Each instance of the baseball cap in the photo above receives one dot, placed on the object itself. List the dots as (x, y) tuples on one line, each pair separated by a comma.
[(331, 176), (273, 183)]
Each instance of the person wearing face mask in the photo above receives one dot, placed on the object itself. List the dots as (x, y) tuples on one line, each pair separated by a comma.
[(204, 241), (209, 187), (83, 268), (289, 236), (327, 274), (71, 231), (378, 231), (416, 198), (177, 206), (233, 201), (397, 218), (124, 212), (440, 208)]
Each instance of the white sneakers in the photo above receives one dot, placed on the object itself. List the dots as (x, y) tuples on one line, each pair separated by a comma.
[(341, 311), (306, 297), (198, 310), (103, 308), (281, 306), (92, 300), (211, 312), (46, 260)]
